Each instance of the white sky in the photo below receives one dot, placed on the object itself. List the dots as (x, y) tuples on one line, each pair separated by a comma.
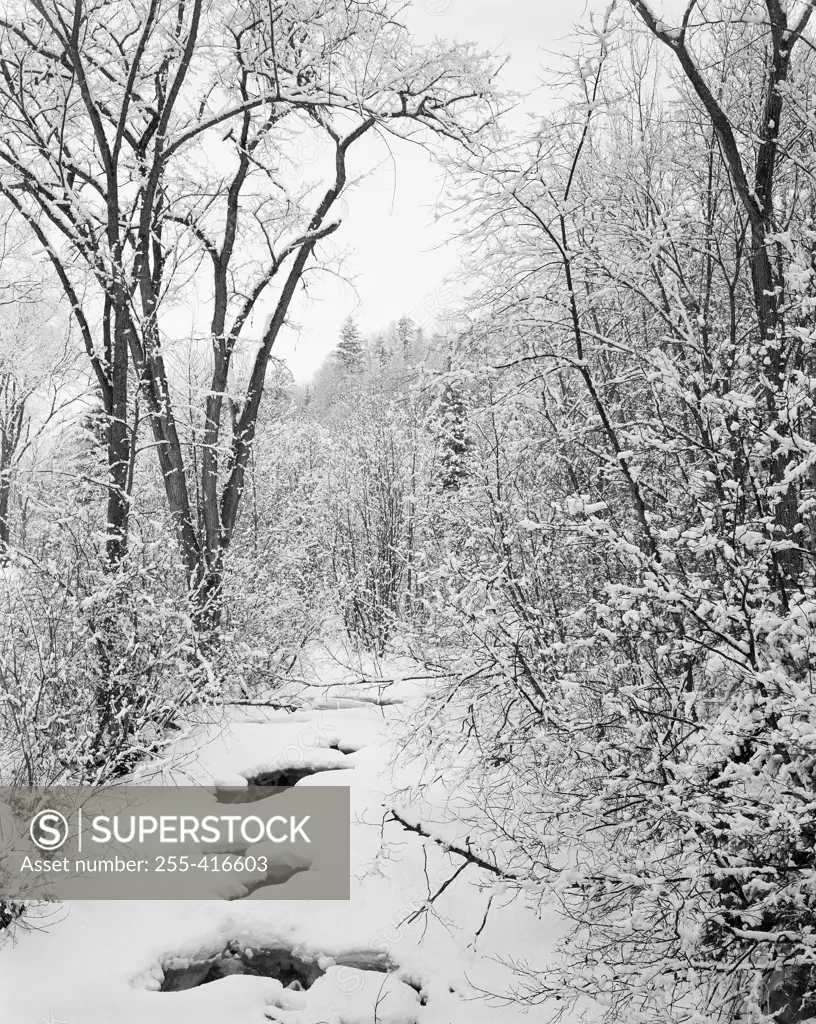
[(397, 254)]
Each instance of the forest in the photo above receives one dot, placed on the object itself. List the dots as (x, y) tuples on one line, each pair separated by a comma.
[(571, 498)]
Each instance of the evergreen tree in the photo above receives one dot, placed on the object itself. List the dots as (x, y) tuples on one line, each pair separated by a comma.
[(382, 350), (350, 350), (453, 437), (90, 463), (406, 332)]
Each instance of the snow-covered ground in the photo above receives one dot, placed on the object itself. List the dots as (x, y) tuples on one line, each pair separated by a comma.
[(381, 957)]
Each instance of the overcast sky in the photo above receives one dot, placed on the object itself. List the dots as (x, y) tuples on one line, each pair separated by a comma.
[(397, 256)]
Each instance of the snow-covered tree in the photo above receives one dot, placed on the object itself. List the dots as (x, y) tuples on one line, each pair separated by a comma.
[(350, 351), (452, 435), (406, 334)]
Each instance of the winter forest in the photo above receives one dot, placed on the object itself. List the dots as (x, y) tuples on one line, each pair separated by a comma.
[(529, 568)]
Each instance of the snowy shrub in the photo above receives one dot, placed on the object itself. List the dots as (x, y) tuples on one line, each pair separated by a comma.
[(276, 581), (93, 668), (371, 518)]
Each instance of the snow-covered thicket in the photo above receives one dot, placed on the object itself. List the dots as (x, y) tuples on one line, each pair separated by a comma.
[(638, 581)]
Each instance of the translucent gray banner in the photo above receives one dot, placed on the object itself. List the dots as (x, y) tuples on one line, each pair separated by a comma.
[(174, 843)]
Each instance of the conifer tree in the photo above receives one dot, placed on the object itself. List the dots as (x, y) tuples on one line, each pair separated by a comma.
[(350, 350), (453, 437), (406, 332), (382, 351), (90, 464)]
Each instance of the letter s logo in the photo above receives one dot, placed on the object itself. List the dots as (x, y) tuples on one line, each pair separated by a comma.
[(48, 829)]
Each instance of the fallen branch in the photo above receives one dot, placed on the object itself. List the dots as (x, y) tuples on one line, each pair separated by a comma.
[(467, 854), (275, 705)]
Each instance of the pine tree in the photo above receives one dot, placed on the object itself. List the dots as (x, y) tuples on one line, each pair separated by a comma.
[(90, 460), (382, 351), (453, 437), (406, 332), (350, 350)]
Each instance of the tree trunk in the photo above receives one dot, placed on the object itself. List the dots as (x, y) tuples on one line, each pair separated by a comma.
[(118, 439), (5, 524)]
